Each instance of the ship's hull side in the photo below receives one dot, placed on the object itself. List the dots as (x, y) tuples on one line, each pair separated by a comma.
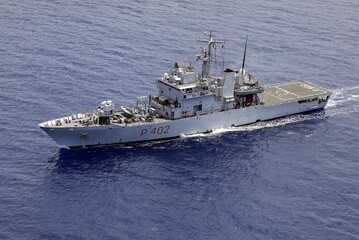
[(111, 134)]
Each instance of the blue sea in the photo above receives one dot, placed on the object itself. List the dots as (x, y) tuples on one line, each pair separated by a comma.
[(291, 178)]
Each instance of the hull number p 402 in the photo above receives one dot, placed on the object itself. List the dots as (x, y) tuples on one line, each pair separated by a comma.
[(155, 130)]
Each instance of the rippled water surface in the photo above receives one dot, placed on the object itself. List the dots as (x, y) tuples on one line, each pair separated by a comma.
[(292, 178)]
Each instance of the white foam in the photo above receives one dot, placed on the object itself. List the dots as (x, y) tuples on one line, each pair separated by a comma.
[(258, 125), (343, 101)]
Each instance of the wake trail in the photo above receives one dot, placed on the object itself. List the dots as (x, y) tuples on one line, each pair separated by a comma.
[(343, 101)]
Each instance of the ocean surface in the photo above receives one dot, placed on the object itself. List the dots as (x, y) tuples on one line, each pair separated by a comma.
[(292, 178)]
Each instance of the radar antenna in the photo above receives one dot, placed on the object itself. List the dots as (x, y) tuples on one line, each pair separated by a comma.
[(206, 54)]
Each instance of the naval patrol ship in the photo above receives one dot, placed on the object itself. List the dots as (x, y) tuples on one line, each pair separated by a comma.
[(188, 102)]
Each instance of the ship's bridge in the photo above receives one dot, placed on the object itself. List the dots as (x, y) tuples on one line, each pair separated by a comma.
[(182, 83)]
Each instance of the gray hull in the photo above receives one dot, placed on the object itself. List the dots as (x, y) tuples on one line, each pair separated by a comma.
[(162, 129)]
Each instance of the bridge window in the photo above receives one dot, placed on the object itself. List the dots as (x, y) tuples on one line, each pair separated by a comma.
[(197, 108)]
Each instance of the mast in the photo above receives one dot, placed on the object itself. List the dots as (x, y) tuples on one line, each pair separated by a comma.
[(206, 54)]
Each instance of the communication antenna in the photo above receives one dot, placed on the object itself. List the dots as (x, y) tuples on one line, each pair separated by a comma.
[(244, 55)]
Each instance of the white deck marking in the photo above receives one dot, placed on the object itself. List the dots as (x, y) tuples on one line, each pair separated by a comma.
[(274, 96), (299, 90), (288, 91)]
